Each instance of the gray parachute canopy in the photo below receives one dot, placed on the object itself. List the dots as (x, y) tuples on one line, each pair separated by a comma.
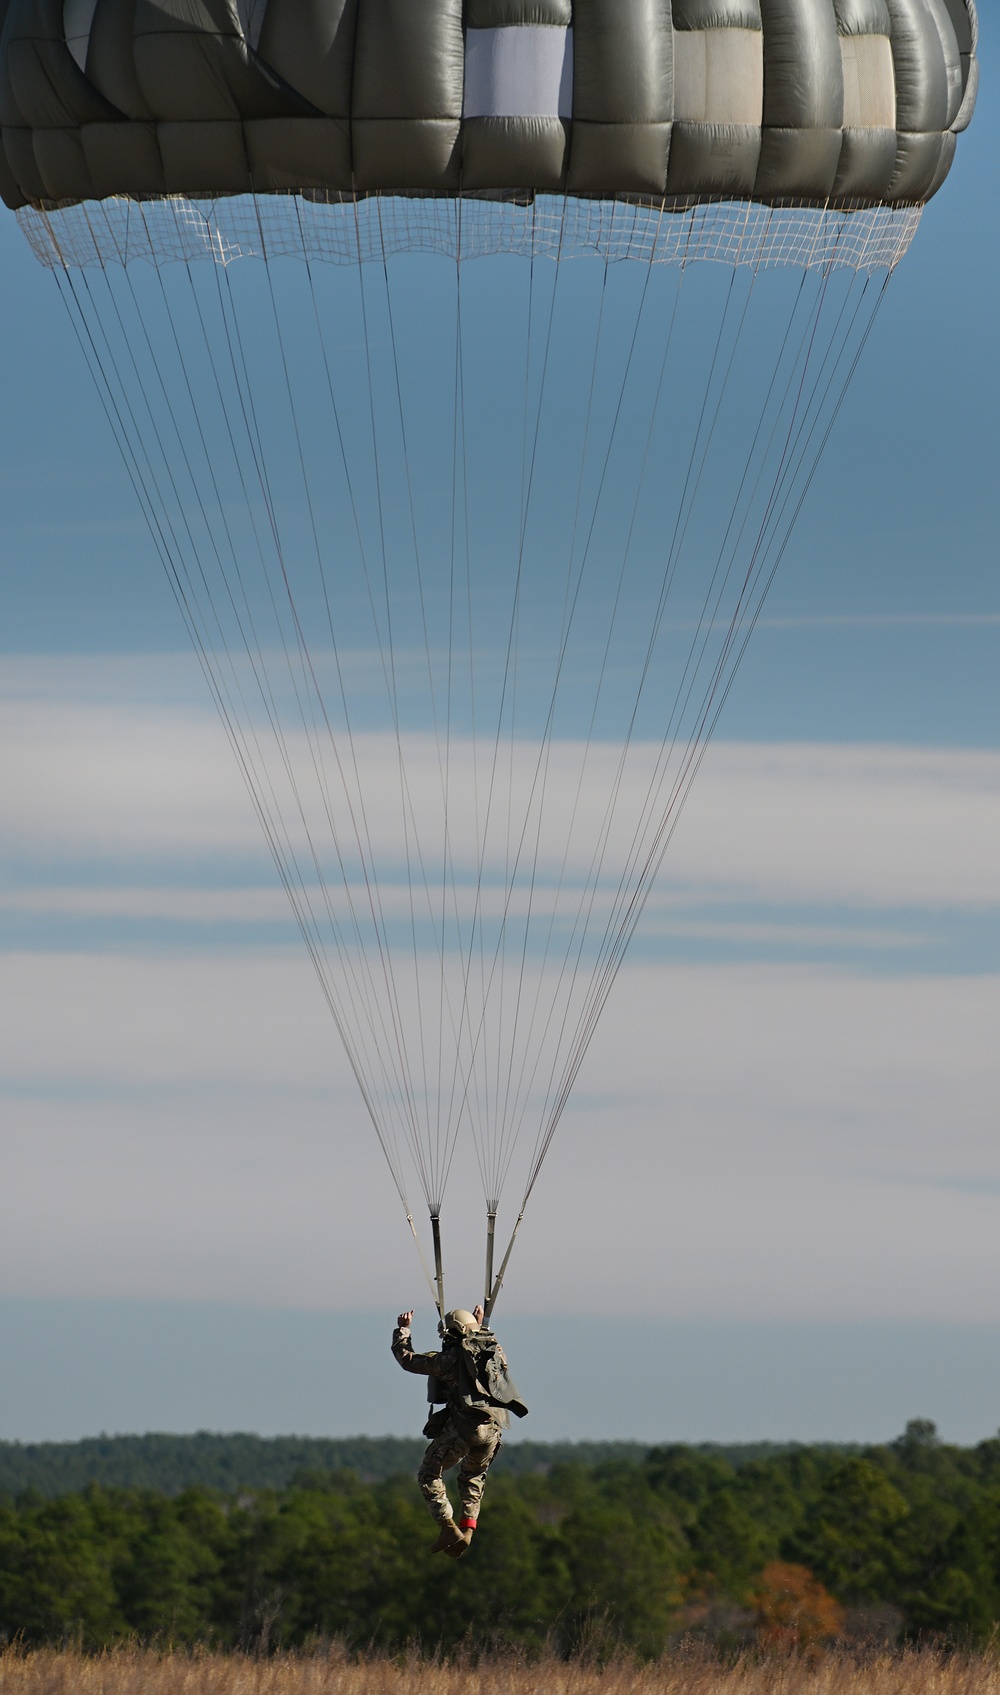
[(836, 102)]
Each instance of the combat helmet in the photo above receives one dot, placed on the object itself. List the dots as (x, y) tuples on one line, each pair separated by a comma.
[(460, 1323)]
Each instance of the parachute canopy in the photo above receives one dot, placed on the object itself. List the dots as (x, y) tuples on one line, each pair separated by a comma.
[(837, 102)]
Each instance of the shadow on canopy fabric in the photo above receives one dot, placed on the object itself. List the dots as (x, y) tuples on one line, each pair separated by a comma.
[(471, 370), (837, 101)]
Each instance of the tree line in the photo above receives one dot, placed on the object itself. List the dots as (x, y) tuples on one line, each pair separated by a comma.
[(895, 1540), (171, 1463)]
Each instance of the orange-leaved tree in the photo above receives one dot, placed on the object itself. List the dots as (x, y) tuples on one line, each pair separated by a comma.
[(792, 1612)]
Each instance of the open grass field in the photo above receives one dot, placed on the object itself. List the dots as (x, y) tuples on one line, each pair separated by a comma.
[(137, 1672)]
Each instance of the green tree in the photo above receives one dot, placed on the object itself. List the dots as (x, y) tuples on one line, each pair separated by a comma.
[(56, 1571), (625, 1569), (847, 1536)]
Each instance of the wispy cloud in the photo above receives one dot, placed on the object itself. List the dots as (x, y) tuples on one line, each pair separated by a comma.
[(150, 792), (255, 906), (881, 621), (756, 1140), (862, 825), (266, 905), (664, 920)]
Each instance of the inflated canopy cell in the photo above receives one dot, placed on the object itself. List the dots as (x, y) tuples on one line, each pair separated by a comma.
[(826, 102)]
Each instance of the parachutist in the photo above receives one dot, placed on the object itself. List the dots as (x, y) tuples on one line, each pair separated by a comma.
[(470, 1375)]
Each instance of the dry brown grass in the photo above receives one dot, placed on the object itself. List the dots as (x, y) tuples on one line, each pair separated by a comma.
[(130, 1671)]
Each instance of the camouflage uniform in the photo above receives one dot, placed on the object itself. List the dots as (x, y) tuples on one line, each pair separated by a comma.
[(467, 1439)]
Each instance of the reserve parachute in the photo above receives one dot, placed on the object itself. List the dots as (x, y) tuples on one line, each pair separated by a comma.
[(471, 364)]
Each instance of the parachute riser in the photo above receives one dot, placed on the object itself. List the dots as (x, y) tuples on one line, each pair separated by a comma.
[(494, 1291), (491, 1230), (438, 1266)]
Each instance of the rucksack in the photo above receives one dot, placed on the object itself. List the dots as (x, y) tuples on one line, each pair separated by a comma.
[(484, 1379)]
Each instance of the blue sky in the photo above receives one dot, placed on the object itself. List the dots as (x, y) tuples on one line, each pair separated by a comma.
[(786, 1126)]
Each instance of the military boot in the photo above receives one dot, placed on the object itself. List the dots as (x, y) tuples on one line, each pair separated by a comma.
[(466, 1526), (450, 1539)]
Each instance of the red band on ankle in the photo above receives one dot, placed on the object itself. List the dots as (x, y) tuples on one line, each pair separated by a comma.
[(466, 1524)]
